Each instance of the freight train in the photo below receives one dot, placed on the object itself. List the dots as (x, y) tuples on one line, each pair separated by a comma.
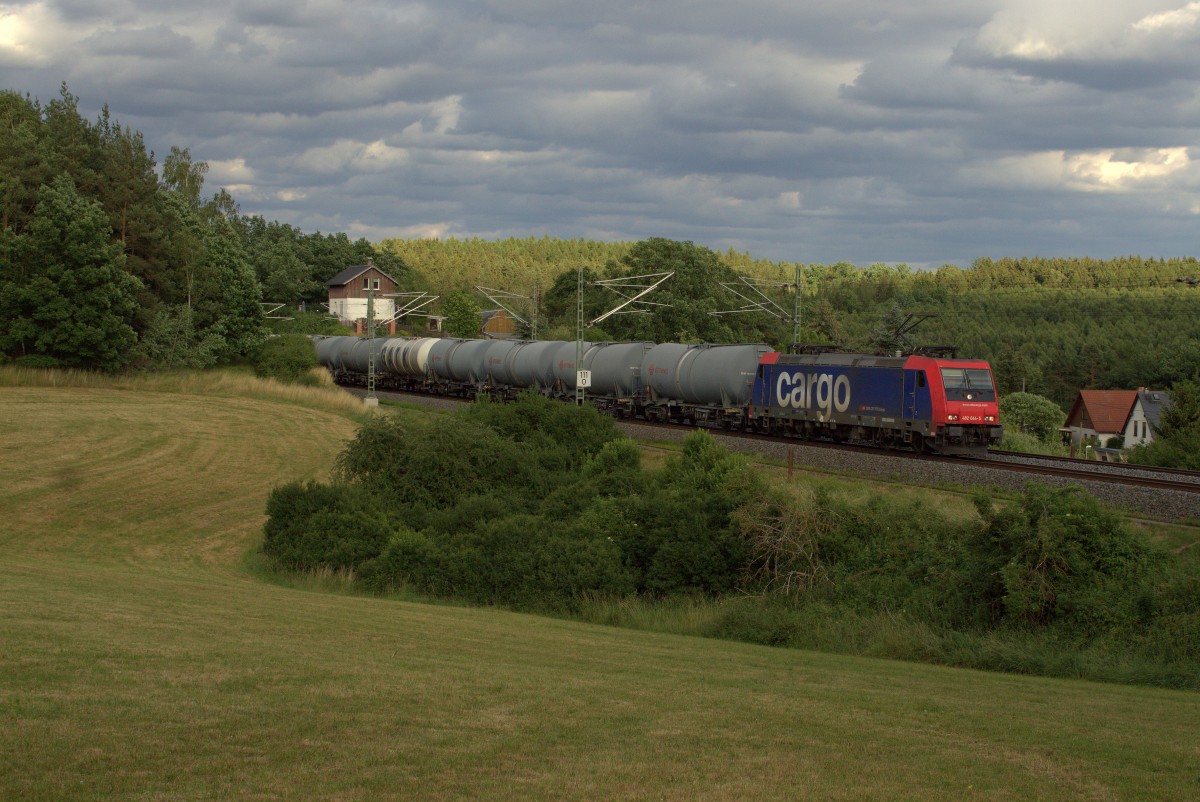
[(925, 402)]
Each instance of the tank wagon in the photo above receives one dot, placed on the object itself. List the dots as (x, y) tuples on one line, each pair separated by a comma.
[(922, 402)]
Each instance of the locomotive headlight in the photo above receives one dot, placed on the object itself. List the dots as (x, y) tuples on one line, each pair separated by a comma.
[(970, 397), (989, 418), (951, 417)]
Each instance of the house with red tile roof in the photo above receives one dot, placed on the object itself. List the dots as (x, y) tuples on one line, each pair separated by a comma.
[(1099, 413)]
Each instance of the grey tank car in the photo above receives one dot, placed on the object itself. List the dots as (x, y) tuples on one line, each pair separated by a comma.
[(667, 381)]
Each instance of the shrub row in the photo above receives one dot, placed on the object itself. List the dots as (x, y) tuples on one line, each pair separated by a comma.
[(542, 506)]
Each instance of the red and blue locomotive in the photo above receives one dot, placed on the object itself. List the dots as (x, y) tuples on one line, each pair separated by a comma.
[(923, 402)]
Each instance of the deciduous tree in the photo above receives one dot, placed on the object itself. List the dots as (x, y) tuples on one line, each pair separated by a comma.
[(64, 293)]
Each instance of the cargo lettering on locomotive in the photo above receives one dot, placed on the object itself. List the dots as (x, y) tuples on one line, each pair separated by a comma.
[(822, 392)]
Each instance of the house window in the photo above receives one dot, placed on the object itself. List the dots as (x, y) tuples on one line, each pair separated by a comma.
[(375, 284), (366, 283)]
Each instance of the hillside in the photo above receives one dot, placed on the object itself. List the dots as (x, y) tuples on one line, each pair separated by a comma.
[(142, 658)]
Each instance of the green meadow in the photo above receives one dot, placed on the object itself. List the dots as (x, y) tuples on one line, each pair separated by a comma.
[(144, 656)]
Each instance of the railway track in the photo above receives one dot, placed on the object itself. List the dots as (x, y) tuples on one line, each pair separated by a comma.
[(1095, 467), (1033, 465)]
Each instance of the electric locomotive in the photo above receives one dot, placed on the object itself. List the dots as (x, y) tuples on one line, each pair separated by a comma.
[(920, 401)]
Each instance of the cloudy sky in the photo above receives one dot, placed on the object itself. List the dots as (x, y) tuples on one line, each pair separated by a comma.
[(922, 131)]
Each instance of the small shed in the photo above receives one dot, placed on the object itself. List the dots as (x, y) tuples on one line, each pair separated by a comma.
[(497, 324), (348, 293)]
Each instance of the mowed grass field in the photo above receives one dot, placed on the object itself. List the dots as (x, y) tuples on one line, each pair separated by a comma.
[(141, 659)]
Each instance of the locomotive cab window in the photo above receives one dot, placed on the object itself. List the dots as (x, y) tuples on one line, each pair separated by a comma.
[(920, 378), (968, 384)]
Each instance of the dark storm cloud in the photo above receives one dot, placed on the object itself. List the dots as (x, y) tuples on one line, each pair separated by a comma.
[(861, 130), (1106, 74)]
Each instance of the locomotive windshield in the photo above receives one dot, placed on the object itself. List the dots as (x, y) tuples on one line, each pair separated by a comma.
[(968, 384)]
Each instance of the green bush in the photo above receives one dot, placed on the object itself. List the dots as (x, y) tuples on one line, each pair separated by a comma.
[(288, 358), (518, 561), (435, 463), (1031, 414), (769, 621), (1181, 451), (684, 537), (324, 526), (1064, 561), (409, 560), (38, 361), (562, 436)]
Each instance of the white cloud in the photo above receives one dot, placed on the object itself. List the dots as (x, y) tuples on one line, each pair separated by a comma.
[(1094, 171), (1178, 20), (349, 154), (25, 35), (446, 113), (1080, 29), (230, 171)]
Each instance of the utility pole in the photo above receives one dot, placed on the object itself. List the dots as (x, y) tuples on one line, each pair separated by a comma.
[(797, 309), (580, 379), (533, 317), (371, 400)]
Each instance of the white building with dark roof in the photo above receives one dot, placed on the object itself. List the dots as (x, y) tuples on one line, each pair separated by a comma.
[(348, 293), (1144, 417)]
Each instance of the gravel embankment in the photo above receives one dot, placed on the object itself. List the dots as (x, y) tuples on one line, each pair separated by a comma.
[(1157, 504)]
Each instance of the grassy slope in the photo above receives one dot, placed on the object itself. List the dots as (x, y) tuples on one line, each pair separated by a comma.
[(138, 659)]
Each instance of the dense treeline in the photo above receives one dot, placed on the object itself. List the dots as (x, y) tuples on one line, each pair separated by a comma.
[(109, 262), (515, 265), (1050, 326), (542, 506)]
